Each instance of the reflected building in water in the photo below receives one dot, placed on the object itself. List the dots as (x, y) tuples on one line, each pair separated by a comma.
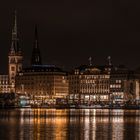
[(70, 124)]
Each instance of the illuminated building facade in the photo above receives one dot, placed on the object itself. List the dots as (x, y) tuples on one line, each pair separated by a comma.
[(118, 83), (4, 84), (89, 84), (137, 84), (41, 81), (124, 85), (112, 84)]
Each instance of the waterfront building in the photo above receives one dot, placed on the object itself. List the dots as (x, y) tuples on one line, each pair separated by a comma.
[(118, 82), (104, 84), (124, 85), (89, 84), (41, 82)]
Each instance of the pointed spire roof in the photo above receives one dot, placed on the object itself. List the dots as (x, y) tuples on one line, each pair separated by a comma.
[(36, 33), (36, 56), (15, 24), (15, 48)]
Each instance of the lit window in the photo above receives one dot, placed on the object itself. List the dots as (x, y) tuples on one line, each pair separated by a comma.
[(12, 68)]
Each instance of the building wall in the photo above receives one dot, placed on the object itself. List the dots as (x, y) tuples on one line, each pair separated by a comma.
[(15, 65), (51, 85), (137, 89), (124, 85), (90, 84), (4, 84), (74, 85)]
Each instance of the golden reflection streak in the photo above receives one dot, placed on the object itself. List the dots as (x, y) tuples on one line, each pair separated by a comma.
[(86, 125), (59, 120), (94, 125), (118, 127), (59, 123)]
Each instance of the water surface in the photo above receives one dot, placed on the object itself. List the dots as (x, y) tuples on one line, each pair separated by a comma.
[(52, 124)]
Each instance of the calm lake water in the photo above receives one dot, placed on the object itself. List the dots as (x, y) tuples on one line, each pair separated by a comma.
[(52, 124)]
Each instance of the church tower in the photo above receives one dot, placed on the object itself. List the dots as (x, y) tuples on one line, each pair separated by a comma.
[(15, 55), (36, 56)]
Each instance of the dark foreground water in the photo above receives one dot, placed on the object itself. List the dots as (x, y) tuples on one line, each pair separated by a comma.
[(51, 124)]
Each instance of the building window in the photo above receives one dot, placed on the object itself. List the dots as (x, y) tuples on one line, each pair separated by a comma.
[(12, 68)]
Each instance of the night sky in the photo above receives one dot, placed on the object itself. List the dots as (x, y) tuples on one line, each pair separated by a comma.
[(70, 31)]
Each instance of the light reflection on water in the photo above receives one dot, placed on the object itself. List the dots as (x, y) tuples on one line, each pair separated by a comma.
[(51, 124)]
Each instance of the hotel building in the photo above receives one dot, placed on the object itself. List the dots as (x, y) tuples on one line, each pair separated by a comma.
[(42, 80), (89, 84)]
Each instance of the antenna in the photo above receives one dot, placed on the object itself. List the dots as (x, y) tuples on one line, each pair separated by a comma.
[(90, 61)]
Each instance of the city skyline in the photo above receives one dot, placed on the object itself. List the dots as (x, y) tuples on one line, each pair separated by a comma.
[(70, 70), (68, 40)]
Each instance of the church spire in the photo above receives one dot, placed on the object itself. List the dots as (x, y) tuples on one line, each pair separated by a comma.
[(15, 55), (15, 26), (36, 56), (15, 48)]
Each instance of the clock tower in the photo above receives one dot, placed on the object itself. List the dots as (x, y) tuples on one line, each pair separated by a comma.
[(15, 56)]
